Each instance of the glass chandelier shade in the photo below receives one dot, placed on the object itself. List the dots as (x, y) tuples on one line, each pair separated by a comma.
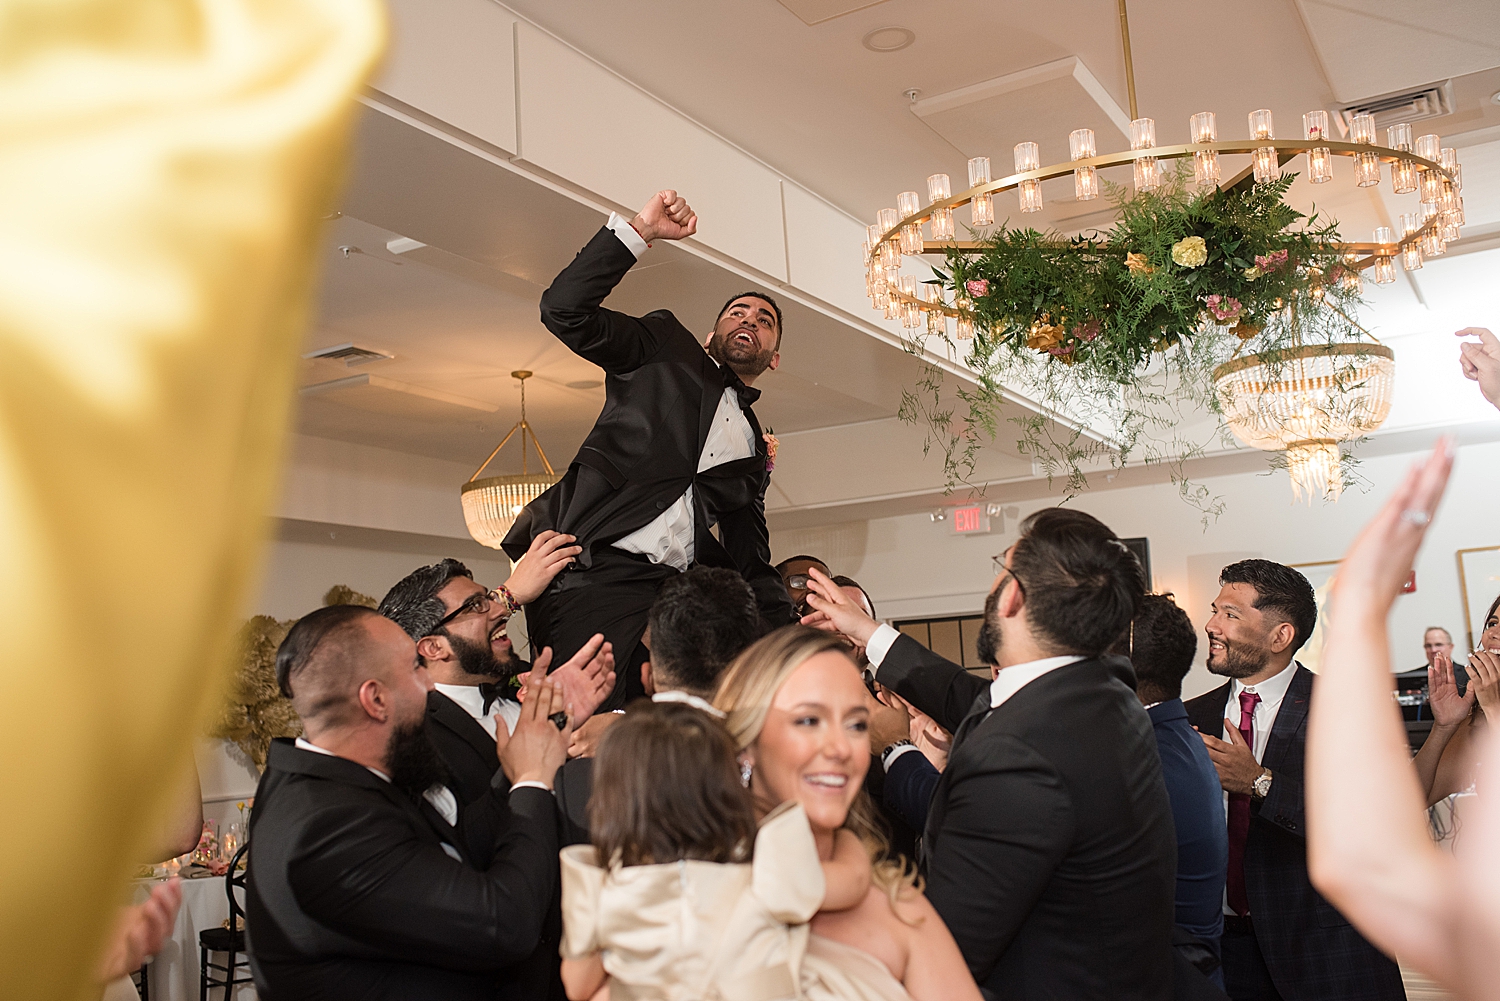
[(492, 504), (1305, 402)]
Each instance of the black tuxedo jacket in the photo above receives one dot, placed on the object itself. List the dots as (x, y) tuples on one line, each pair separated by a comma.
[(1311, 951), (661, 392), (465, 747), (352, 893), (1049, 847)]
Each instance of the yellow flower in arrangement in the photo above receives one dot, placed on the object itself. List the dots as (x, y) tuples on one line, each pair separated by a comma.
[(1138, 264), (1190, 252), (1252, 273), (772, 444), (1044, 335)]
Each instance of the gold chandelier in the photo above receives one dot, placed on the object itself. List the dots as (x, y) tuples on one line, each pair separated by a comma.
[(492, 504), (1306, 401), (1422, 166)]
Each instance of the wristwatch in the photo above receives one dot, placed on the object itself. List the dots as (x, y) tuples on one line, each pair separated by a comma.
[(1261, 787), (885, 755)]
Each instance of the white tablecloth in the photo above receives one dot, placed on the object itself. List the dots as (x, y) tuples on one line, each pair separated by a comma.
[(174, 971)]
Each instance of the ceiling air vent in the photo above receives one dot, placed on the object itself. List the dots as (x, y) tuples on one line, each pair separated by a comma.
[(350, 354), (1432, 101)]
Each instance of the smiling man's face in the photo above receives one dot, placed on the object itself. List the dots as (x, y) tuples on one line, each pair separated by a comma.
[(746, 338)]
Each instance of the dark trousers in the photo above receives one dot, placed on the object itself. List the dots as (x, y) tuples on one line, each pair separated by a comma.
[(613, 597), (1246, 977)]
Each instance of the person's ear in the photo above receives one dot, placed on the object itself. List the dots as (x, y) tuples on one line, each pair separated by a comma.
[(648, 682), (375, 700), (1011, 599), (1282, 636), (431, 648), (775, 361)]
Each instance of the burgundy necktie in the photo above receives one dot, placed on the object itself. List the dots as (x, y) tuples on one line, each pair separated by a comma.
[(1239, 815)]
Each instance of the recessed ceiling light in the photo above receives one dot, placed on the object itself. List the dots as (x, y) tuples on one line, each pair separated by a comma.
[(1495, 97), (585, 384), (888, 39)]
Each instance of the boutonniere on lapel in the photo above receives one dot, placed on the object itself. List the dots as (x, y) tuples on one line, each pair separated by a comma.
[(771, 446)]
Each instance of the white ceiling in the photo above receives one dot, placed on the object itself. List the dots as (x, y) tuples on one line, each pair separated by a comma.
[(803, 94)]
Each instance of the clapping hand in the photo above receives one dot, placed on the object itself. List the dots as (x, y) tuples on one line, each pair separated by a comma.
[(1484, 681), (1481, 362), (140, 931), (587, 679), (835, 611), (1448, 707), (537, 748), (550, 552), (667, 216)]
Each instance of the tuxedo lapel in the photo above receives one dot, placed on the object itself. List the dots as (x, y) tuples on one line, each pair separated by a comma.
[(978, 712), (457, 719), (713, 391), (1290, 719)]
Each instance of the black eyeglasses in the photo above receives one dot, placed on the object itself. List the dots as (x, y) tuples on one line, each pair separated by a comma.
[(474, 603), (1001, 568)]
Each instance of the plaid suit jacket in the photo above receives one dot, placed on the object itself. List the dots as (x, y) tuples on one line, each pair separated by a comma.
[(1312, 952)]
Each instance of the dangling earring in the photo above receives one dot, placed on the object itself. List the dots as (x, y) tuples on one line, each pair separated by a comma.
[(745, 770)]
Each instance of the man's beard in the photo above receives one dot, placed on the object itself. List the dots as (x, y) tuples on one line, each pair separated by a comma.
[(1240, 660), (479, 659), (743, 365), (413, 761), (987, 645)]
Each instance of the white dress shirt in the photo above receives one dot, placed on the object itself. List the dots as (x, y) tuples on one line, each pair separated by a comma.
[(472, 702), (1272, 693), (669, 537), (1008, 681)]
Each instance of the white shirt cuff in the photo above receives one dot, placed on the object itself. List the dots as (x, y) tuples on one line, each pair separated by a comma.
[(894, 753), (621, 227), (531, 784), (880, 642)]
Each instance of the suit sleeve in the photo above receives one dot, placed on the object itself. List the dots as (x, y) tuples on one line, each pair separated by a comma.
[(908, 788), (744, 536), (371, 878), (1284, 806), (1005, 829), (572, 308), (935, 685)]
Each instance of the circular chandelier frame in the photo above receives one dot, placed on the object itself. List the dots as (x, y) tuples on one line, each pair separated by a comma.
[(1286, 149)]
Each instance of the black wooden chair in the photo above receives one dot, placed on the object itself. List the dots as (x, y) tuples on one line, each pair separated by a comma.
[(142, 980), (230, 941)]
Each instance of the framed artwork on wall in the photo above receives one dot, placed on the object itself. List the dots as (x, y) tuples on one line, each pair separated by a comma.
[(1478, 582), (1320, 576)]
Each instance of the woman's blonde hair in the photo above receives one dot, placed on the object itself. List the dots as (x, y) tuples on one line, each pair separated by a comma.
[(746, 692)]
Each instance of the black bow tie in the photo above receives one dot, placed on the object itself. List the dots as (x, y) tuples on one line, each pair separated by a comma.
[(492, 693), (747, 394)]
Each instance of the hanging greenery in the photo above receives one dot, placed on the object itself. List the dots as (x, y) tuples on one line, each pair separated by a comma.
[(1118, 334)]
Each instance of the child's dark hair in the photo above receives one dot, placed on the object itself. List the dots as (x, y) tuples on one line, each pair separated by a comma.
[(667, 787)]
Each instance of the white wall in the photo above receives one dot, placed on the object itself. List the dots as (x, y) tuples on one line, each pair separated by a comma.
[(914, 567)]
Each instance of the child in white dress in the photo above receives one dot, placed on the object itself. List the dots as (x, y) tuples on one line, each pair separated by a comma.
[(680, 898)]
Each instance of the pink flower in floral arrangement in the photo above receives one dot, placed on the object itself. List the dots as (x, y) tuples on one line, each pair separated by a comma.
[(1273, 261), (1060, 350), (1224, 307), (1086, 331), (977, 286)]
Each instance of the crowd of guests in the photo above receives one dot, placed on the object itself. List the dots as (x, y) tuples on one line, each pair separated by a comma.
[(827, 809)]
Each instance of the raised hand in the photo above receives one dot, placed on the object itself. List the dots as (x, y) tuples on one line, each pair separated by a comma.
[(587, 679), (667, 216), (550, 552), (835, 611), (1448, 707), (1481, 362), (1233, 760), (536, 749), (1484, 681), (140, 932)]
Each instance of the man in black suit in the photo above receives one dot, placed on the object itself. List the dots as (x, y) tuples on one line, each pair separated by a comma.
[(1281, 938), (368, 880), (460, 631), (676, 451), (1048, 847), (700, 622)]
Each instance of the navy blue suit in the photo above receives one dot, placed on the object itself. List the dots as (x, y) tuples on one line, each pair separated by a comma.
[(1198, 815)]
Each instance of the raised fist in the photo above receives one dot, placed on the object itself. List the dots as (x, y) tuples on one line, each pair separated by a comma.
[(667, 216)]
